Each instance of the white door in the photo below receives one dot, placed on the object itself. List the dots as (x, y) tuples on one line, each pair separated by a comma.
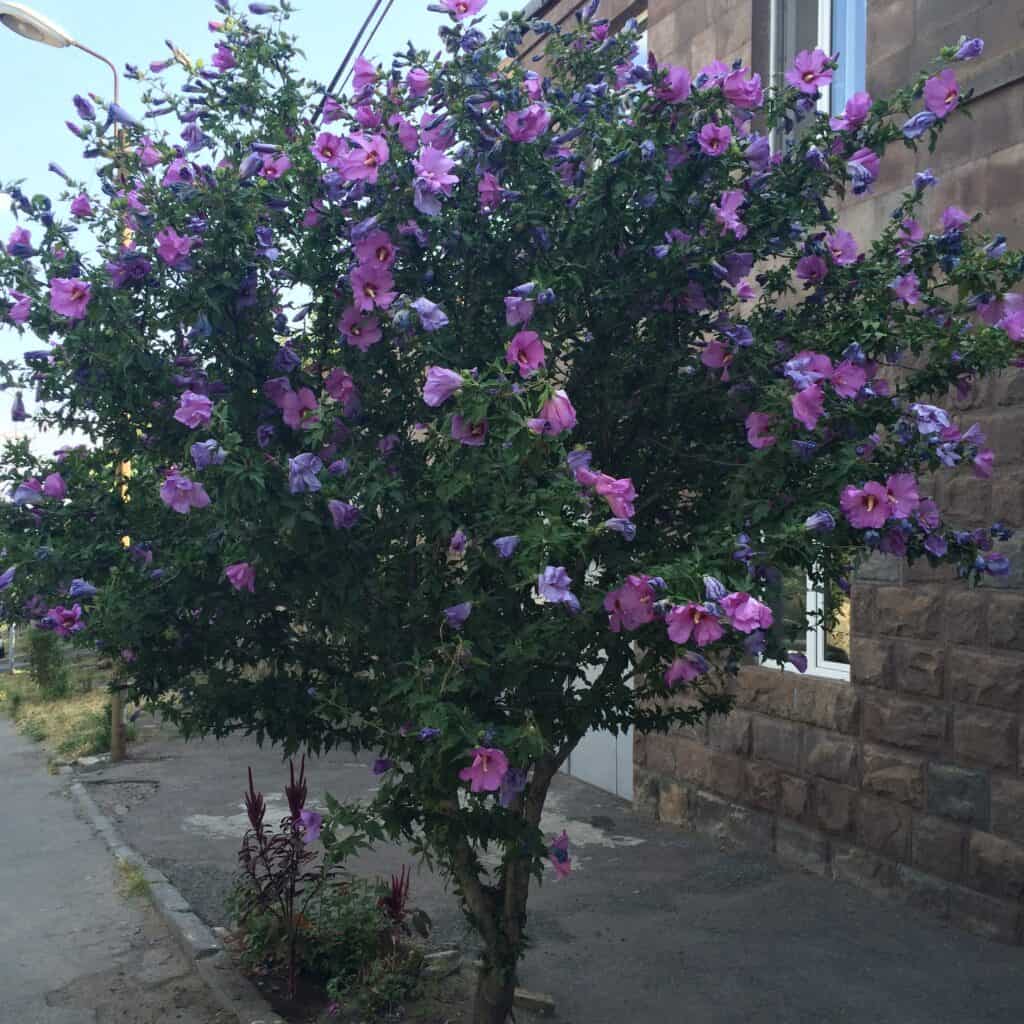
[(604, 759)]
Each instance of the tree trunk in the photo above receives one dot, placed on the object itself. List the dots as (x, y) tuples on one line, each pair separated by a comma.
[(499, 913), (495, 990)]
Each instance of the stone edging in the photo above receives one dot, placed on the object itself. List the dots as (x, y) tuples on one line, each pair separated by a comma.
[(230, 988)]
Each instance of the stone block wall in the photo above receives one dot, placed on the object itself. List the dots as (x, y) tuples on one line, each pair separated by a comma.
[(914, 792), (909, 779)]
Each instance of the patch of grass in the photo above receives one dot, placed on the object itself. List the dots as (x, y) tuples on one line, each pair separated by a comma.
[(48, 663), (133, 881), (86, 673), (73, 726)]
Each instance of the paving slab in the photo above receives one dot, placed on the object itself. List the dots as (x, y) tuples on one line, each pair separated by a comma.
[(73, 949)]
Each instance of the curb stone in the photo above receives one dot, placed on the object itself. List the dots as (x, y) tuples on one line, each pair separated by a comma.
[(230, 988)]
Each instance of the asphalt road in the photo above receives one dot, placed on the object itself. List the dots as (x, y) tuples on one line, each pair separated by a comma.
[(654, 926)]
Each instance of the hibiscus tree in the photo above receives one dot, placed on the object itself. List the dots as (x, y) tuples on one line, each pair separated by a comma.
[(504, 382)]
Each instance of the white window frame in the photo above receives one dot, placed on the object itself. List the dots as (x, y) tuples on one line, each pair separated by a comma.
[(825, 41), (643, 44), (815, 645), (817, 663)]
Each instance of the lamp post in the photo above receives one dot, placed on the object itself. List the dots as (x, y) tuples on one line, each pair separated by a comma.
[(35, 26)]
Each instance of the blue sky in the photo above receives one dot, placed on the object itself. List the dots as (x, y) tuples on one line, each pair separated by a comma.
[(38, 81)]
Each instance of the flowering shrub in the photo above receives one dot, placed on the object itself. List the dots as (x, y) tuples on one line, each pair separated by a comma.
[(439, 397), (292, 908)]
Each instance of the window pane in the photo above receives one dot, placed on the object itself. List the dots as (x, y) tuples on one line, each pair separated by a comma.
[(849, 36), (789, 608), (837, 625), (641, 43), (797, 28)]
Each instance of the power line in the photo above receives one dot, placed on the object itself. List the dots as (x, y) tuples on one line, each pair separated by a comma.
[(369, 40), (347, 58)]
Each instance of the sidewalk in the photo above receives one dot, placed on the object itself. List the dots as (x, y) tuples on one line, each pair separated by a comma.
[(654, 926), (73, 950)]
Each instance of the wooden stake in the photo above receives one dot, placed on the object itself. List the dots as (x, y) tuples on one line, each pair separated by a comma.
[(116, 726)]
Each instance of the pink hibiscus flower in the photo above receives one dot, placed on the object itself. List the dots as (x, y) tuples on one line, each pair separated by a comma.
[(809, 405), (746, 613), (942, 93), (485, 774), (693, 621)]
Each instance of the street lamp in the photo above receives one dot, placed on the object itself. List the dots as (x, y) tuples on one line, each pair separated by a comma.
[(33, 25)]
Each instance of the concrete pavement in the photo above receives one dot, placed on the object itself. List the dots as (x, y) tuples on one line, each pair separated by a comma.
[(72, 949), (654, 926)]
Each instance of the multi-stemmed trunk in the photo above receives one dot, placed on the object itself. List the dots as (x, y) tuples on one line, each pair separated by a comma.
[(499, 911), (495, 993)]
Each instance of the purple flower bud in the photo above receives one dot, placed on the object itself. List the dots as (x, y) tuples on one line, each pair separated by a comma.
[(457, 614), (86, 111), (969, 49), (363, 228), (1000, 531), (432, 317), (249, 166), (512, 784), (506, 546), (997, 565), (622, 526), (117, 114), (286, 358), (997, 247), (923, 179), (755, 643), (262, 9), (343, 515), (816, 158), (820, 522), (916, 126), (81, 588), (207, 453), (714, 589)]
